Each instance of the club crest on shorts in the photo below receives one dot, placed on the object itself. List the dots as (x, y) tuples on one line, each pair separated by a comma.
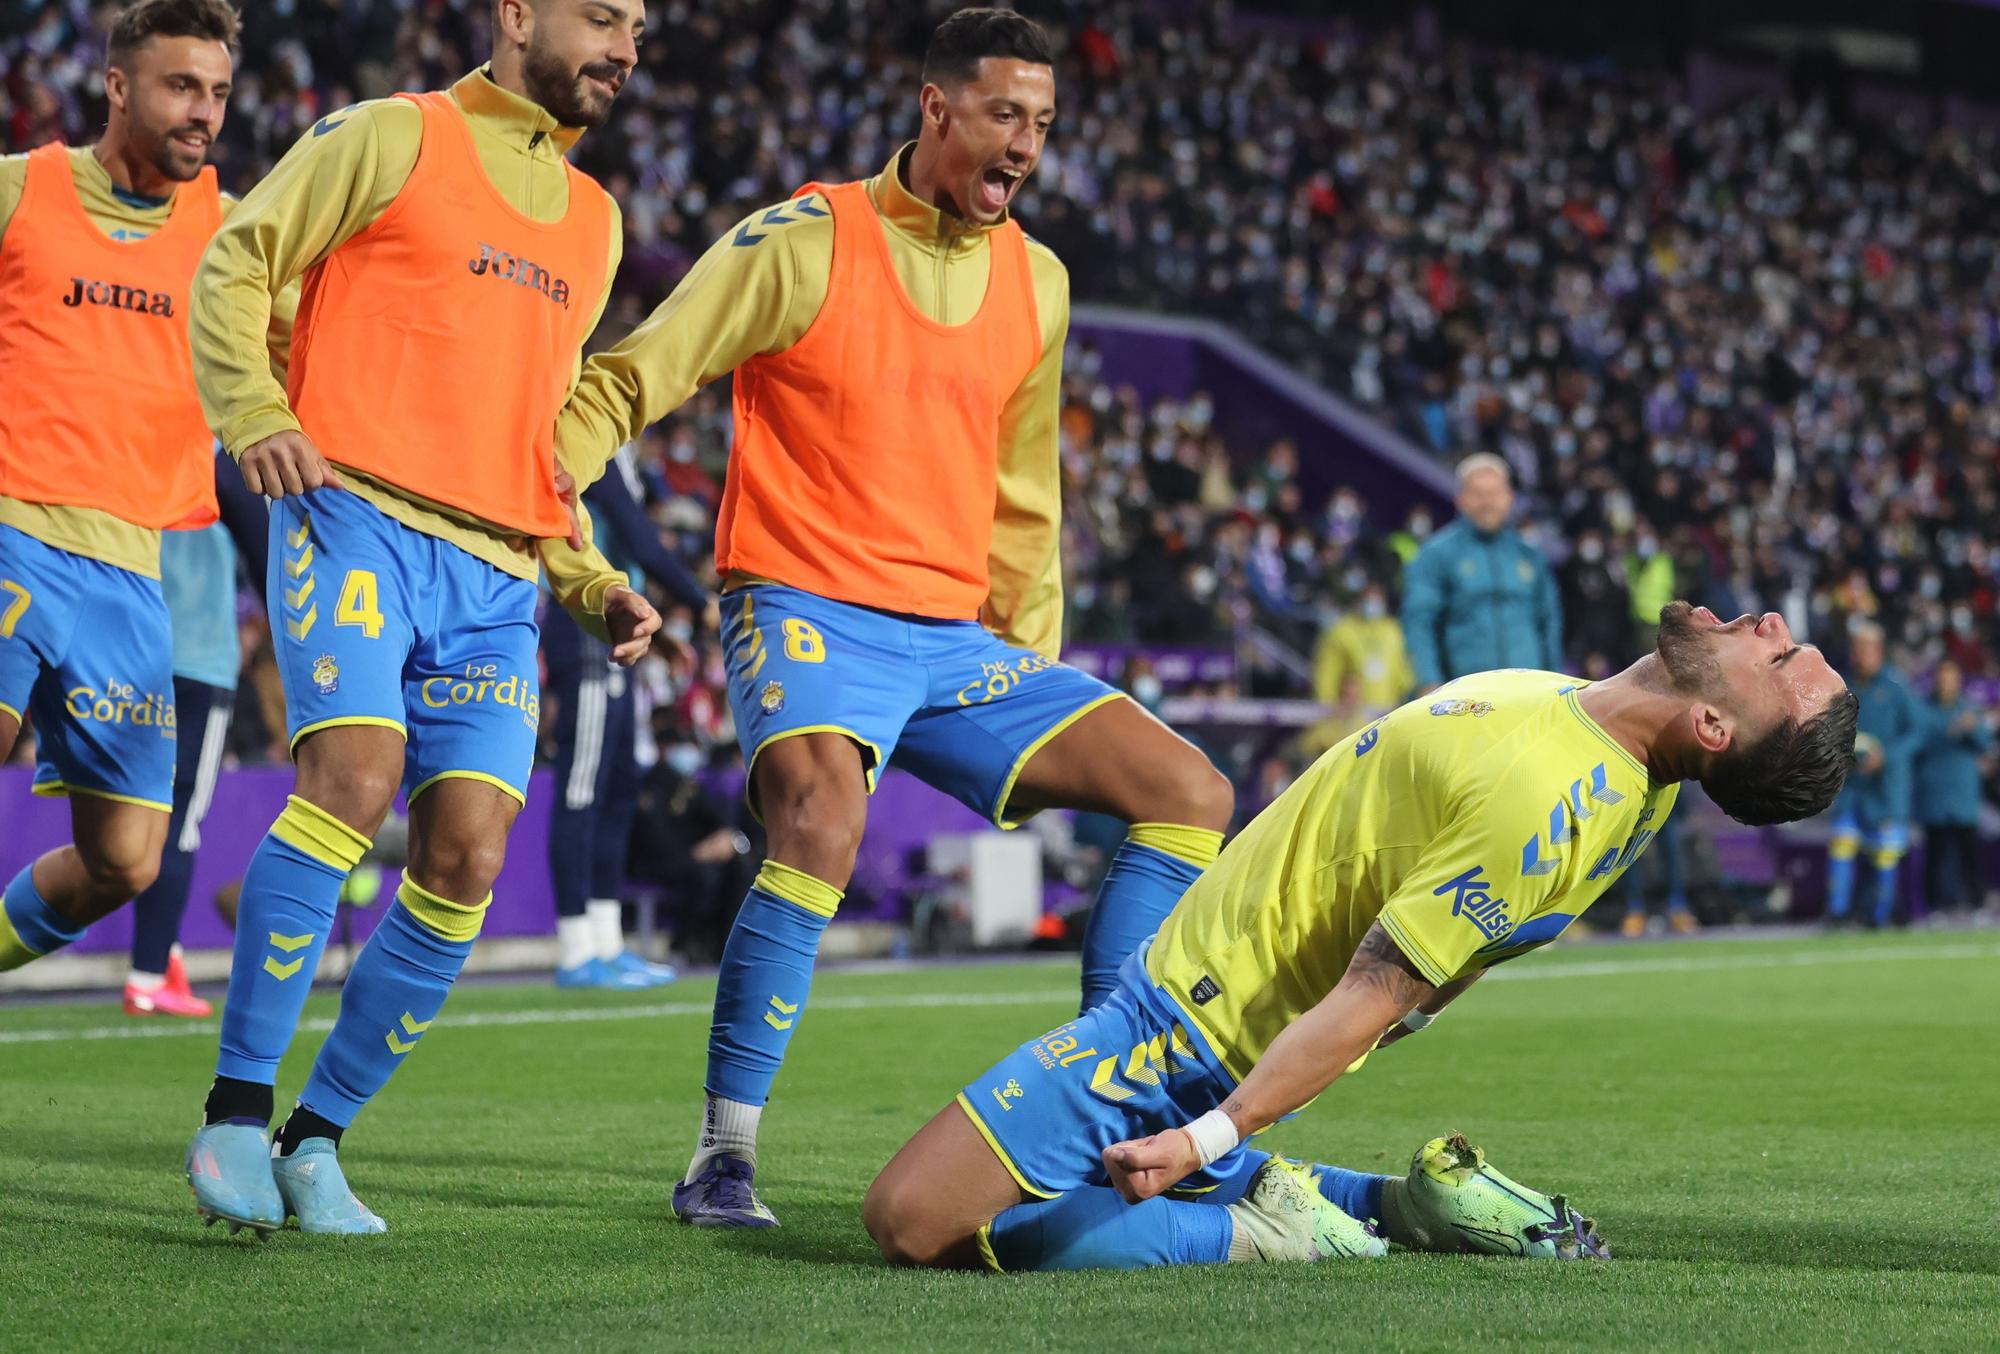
[(326, 674), (773, 699)]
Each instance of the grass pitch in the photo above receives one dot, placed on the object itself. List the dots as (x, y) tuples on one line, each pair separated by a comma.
[(1789, 1145)]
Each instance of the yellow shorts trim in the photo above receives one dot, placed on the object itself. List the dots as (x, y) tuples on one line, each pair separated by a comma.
[(985, 1236), (6, 709), (495, 781), (870, 773), (1000, 1151), (55, 788), (1000, 816), (361, 721)]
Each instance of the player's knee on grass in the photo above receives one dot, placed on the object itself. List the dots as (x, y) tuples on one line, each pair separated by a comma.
[(902, 1214), (352, 773), (813, 794)]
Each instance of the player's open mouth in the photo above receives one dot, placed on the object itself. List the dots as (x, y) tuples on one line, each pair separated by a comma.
[(608, 88), (197, 144), (997, 186)]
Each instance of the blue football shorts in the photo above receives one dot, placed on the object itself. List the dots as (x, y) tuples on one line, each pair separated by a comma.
[(1131, 1066), (86, 650), (379, 624), (945, 700)]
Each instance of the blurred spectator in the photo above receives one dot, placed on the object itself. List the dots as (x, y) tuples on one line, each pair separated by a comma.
[(1365, 644), (1347, 714), (1596, 608), (1477, 596), (691, 842), (1957, 735), (1873, 810)]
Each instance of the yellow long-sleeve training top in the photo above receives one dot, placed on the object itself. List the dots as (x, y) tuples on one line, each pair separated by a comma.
[(742, 302), (92, 532), (340, 177)]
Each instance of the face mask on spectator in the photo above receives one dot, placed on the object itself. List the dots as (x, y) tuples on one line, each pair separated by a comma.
[(1374, 608), (684, 758), (1646, 547), (678, 630), (1591, 550), (1146, 690)]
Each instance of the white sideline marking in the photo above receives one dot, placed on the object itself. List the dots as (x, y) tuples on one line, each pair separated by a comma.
[(1538, 972)]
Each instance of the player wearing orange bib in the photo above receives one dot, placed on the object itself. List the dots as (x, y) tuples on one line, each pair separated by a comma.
[(102, 446), (889, 537), (453, 264)]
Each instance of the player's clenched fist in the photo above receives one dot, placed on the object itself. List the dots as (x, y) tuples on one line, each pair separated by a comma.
[(631, 621), (286, 463), (1146, 1167)]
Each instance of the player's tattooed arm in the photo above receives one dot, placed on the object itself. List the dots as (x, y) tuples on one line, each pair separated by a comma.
[(1379, 986), (1431, 1005)]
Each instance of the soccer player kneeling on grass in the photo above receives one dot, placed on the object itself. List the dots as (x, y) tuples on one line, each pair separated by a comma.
[(1463, 829)]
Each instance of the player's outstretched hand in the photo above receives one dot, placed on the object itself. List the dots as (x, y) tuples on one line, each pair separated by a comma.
[(1145, 1167), (632, 622), (566, 491), (286, 463)]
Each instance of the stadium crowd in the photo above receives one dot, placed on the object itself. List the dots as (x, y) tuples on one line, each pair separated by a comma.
[(1743, 355)]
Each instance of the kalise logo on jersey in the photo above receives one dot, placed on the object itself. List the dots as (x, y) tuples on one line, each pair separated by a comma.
[(498, 264)]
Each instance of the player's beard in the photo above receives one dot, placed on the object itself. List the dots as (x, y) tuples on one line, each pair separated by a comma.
[(172, 159), (562, 91), (1687, 654)]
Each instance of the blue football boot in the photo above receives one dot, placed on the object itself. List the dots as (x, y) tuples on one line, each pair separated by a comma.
[(722, 1195), (316, 1193), (229, 1170), (598, 973), (655, 975)]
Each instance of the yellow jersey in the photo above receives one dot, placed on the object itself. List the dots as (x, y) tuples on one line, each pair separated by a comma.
[(1475, 824)]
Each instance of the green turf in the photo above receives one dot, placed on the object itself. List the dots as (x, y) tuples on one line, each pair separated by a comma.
[(1784, 1152)]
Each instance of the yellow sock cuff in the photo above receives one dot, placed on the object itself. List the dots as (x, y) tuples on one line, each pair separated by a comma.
[(799, 888), (452, 921), (309, 828), (1198, 846), (14, 951), (1888, 860)]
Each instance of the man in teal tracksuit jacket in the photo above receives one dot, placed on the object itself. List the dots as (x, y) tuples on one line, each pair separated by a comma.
[(1874, 807), (1477, 596)]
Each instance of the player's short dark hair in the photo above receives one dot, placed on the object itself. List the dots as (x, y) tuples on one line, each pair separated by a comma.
[(1793, 772), (970, 35), (142, 20)]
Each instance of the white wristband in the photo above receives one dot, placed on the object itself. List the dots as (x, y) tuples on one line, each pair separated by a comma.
[(1415, 1020), (1213, 1135)]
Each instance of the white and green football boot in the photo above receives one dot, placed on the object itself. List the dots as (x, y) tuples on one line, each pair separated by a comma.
[(1453, 1201), (1283, 1216)]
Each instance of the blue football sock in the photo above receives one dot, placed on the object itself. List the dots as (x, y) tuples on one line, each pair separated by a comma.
[(1092, 1228), (767, 966), (29, 927), (1839, 884), (1151, 871), (1355, 1193), (286, 908), (1885, 893), (396, 990)]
